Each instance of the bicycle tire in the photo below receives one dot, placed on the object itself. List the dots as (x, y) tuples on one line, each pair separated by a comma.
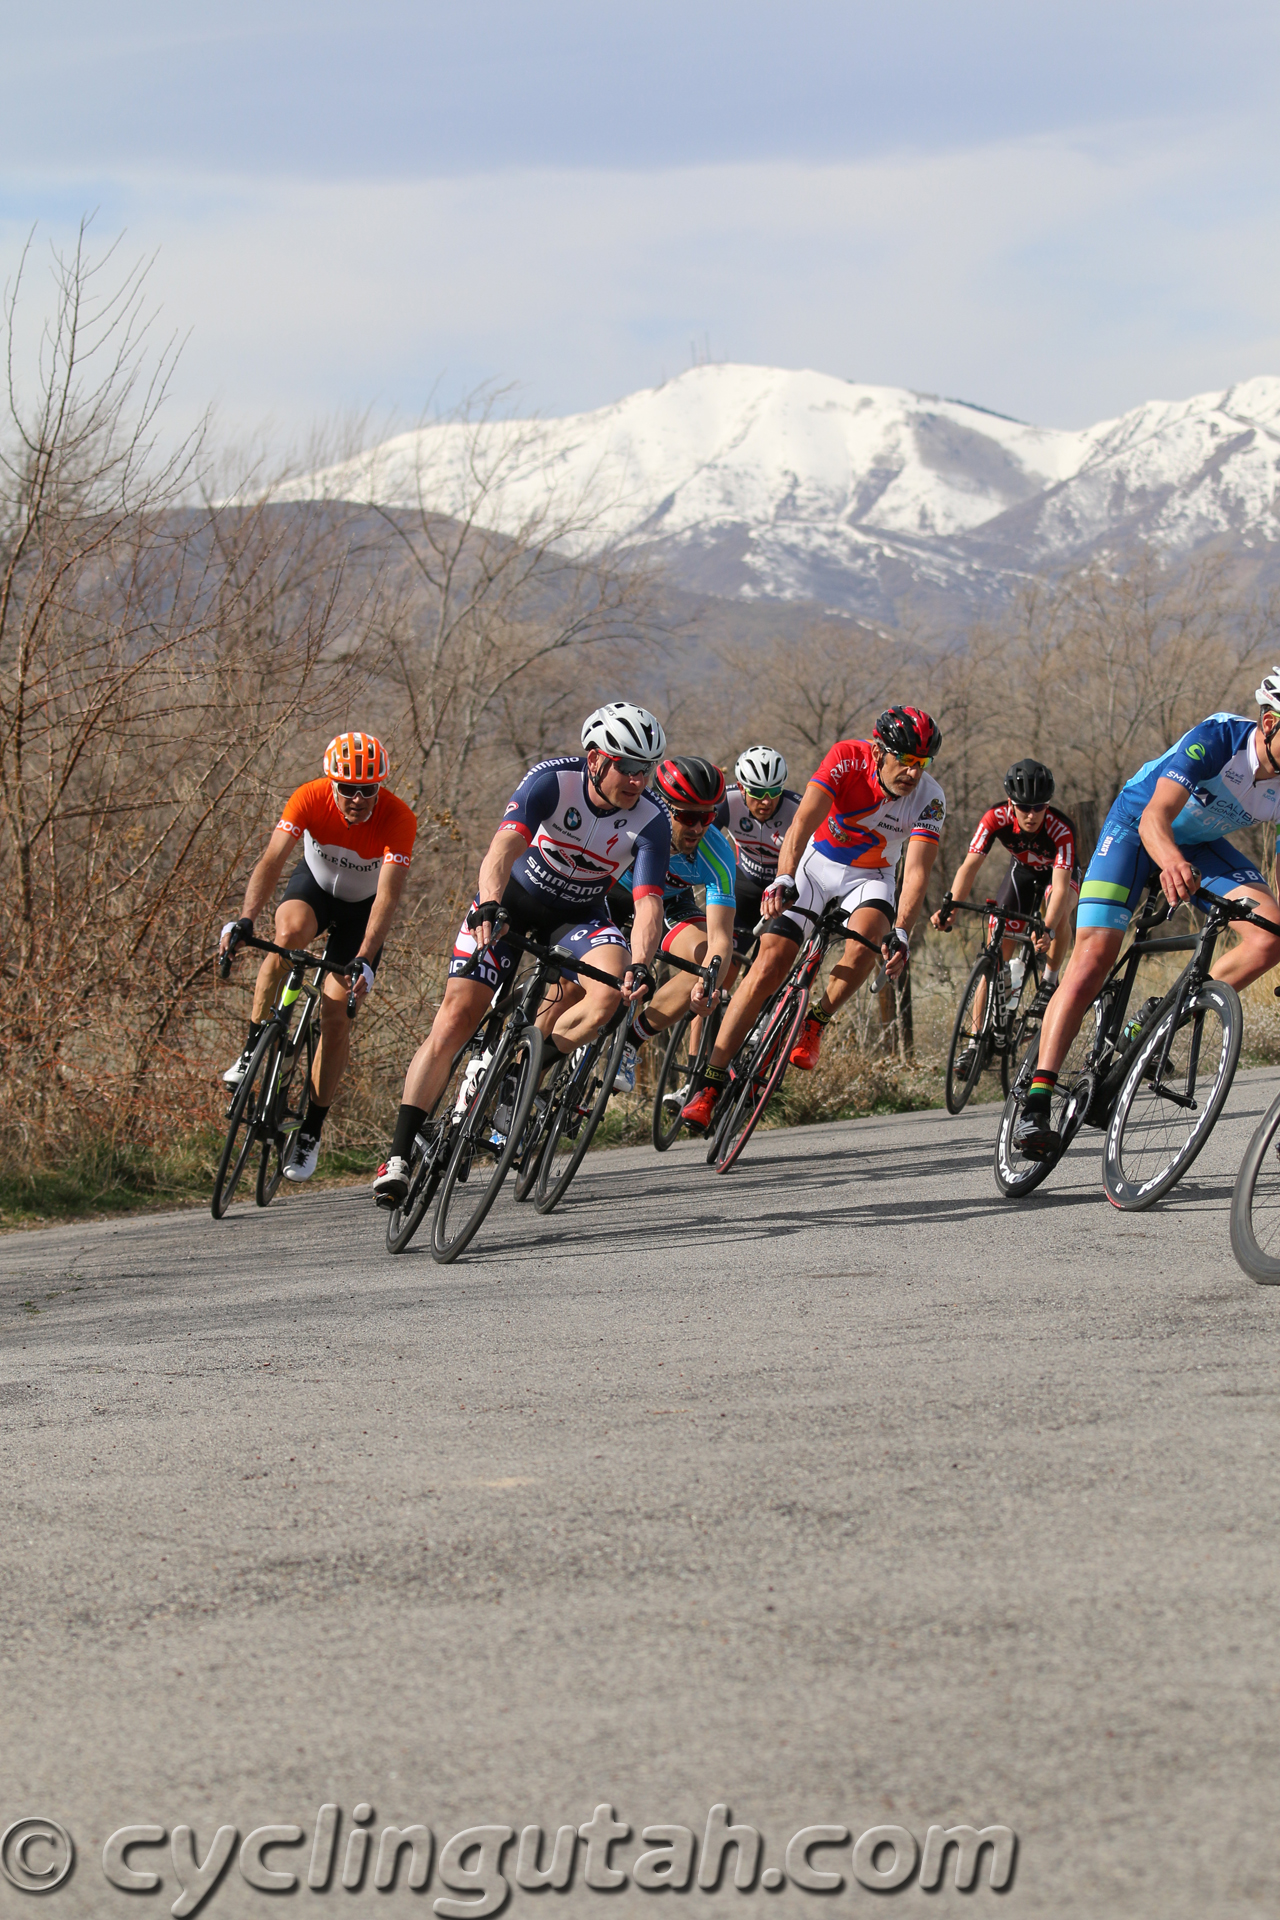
[(1148, 1146), (667, 1128), (606, 1052), (960, 1086), (425, 1170), (518, 1053), (1255, 1203), (762, 1078), (284, 1120), (529, 1158), (243, 1114), (1017, 1176)]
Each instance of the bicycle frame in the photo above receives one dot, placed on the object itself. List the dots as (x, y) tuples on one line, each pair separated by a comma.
[(994, 945)]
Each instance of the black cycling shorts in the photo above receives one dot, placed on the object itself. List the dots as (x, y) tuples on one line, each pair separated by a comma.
[(343, 920)]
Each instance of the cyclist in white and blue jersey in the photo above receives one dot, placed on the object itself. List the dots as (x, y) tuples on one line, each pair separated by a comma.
[(1172, 818), (701, 856)]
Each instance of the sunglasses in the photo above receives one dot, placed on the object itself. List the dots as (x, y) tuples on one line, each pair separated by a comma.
[(350, 791), (690, 819), (920, 760), (762, 793), (634, 768)]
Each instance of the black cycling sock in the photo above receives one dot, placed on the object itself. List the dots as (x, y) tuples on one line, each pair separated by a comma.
[(1040, 1092), (710, 1076), (314, 1119), (824, 1017), (640, 1028), (408, 1120), (255, 1034)]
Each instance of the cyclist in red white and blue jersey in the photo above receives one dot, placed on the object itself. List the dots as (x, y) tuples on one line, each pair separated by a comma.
[(701, 856), (1222, 775), (570, 828)]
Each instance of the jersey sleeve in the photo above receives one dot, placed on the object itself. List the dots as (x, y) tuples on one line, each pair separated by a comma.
[(1064, 839), (648, 873), (719, 865), (533, 801), (300, 809), (399, 831), (982, 833), (1199, 754), (928, 823), (834, 767)]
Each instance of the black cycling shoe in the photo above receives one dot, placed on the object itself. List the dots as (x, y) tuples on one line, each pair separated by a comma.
[(1034, 1135)]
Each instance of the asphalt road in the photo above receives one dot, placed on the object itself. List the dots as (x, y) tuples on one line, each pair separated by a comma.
[(838, 1491)]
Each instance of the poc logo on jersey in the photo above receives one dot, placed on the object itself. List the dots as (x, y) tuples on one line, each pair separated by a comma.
[(572, 819)]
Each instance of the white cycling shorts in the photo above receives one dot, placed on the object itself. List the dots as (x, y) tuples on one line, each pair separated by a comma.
[(821, 880)]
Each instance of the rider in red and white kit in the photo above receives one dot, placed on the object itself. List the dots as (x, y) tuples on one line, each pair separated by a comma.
[(866, 800)]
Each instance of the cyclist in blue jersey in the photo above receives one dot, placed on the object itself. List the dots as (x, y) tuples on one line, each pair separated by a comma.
[(570, 828), (1171, 818), (701, 856)]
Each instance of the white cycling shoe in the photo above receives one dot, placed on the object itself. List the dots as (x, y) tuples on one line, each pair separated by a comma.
[(302, 1162), (236, 1072), (391, 1182)]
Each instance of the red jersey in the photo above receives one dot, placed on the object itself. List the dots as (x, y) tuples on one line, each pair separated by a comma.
[(867, 826), (1053, 844), (346, 860)]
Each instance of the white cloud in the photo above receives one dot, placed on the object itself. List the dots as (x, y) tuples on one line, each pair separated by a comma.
[(1058, 279)]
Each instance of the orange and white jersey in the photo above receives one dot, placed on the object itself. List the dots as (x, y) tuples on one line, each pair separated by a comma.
[(866, 825), (346, 860)]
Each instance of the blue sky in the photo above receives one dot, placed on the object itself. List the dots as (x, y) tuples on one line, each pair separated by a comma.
[(1054, 210)]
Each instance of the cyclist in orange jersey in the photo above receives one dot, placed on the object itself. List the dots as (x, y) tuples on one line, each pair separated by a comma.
[(356, 838)]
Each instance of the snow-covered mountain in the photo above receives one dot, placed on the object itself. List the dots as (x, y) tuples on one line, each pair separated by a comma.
[(758, 482)]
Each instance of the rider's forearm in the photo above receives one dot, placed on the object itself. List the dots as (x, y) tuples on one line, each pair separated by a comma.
[(646, 928), (1058, 905), (966, 873), (262, 883), (382, 912), (495, 869), (810, 814)]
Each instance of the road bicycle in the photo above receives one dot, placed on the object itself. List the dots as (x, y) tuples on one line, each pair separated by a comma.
[(270, 1102), (761, 1061), (680, 1068), (1155, 1084), (485, 1131), (992, 1024)]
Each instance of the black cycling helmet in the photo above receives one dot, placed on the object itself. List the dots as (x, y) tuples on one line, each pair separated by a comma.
[(688, 781), (1029, 783), (909, 730)]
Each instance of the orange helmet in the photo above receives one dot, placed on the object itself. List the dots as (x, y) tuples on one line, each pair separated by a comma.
[(356, 756)]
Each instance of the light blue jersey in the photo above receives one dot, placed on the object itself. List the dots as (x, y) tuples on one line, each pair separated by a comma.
[(1215, 761), (713, 866)]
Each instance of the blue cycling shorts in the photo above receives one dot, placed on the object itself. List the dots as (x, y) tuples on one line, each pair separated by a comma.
[(1121, 866)]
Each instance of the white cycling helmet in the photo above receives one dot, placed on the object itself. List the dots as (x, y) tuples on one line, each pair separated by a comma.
[(1268, 694), (625, 732), (760, 767)]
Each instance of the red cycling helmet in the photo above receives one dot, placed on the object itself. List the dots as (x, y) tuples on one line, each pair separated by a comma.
[(688, 781), (909, 730)]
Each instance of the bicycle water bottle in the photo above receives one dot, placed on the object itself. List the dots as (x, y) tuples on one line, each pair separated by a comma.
[(1017, 970)]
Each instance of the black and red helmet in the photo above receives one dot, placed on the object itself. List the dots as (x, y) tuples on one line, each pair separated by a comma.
[(687, 781), (909, 730)]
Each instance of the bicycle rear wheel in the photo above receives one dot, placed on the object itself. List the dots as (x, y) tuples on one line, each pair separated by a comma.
[(288, 1108), (971, 1030), (426, 1165), (762, 1078), (1157, 1131), (484, 1149), (245, 1120), (578, 1113), (1255, 1203), (1015, 1174)]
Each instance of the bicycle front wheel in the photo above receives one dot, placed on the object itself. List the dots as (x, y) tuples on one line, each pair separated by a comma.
[(1015, 1174), (971, 1034), (426, 1164), (488, 1138), (1255, 1204), (671, 1091), (577, 1116), (761, 1079), (1164, 1114), (288, 1110), (245, 1120)]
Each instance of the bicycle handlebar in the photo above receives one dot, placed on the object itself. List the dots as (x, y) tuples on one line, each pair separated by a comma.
[(1225, 909), (1031, 920), (297, 956)]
